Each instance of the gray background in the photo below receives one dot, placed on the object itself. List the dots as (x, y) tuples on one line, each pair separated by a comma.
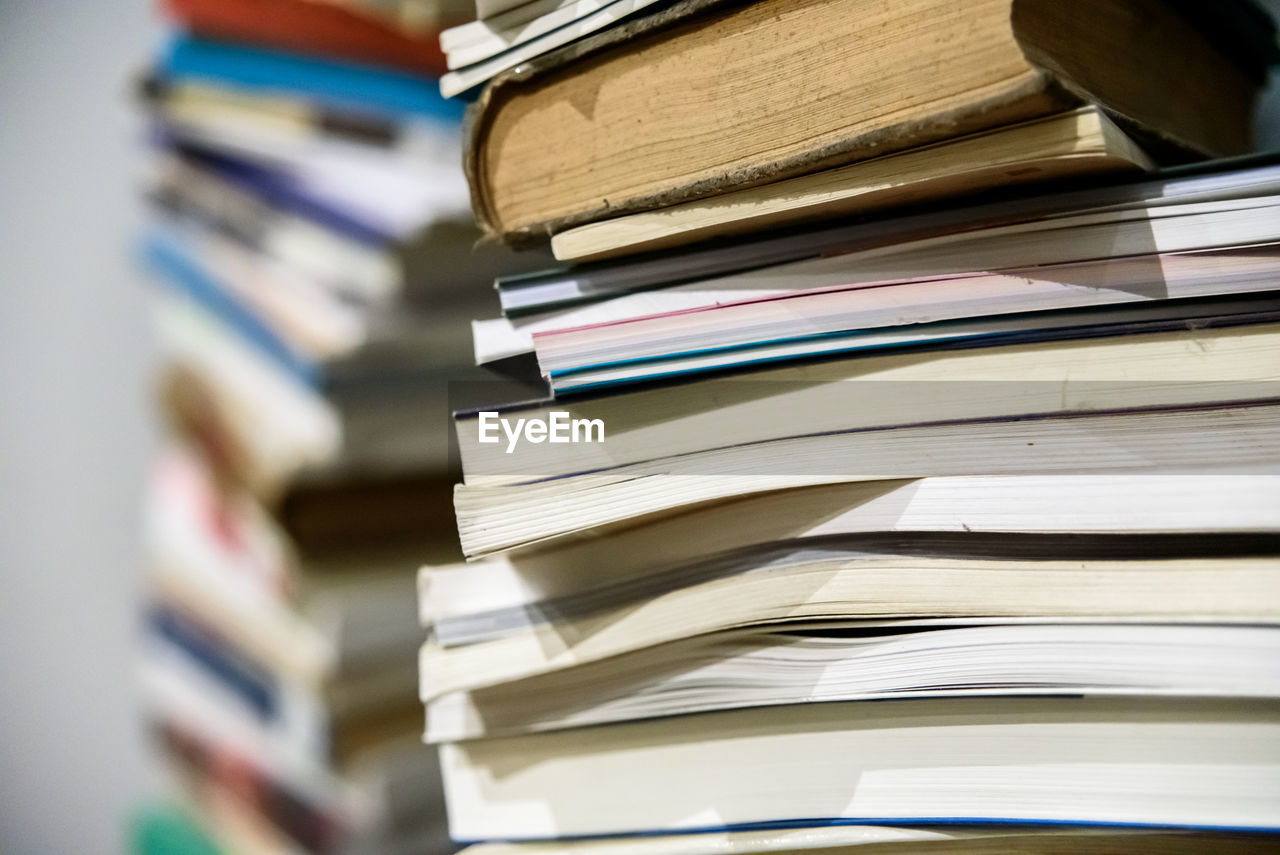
[(74, 423)]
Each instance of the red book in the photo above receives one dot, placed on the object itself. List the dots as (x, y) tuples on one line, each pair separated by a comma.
[(313, 27)]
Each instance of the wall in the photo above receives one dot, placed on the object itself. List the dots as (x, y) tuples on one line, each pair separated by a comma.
[(74, 424)]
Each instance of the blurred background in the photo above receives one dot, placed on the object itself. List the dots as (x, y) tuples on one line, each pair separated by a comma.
[(76, 375), (74, 387)]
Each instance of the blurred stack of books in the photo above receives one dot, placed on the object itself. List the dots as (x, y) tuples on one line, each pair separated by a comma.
[(315, 265), (911, 352)]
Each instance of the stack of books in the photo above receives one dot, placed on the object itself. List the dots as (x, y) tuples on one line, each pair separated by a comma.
[(314, 267), (911, 475)]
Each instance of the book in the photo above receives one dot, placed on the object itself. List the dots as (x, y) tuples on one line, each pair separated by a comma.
[(1208, 764), (793, 108), (496, 33), (340, 193), (336, 84), (890, 840), (364, 262), (1001, 329), (222, 389), (293, 319), (1138, 512), (1109, 234), (794, 588), (315, 27), (1080, 143), (220, 766), (339, 725), (1033, 300), (776, 667), (641, 561), (497, 50), (163, 829), (349, 267), (703, 277), (220, 556), (665, 421), (1231, 434)]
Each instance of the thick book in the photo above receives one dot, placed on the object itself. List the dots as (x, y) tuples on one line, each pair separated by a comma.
[(771, 90)]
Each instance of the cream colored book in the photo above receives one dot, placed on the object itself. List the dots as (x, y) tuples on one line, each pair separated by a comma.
[(1225, 437), (476, 601), (1212, 764), (839, 589), (1151, 370), (1068, 145), (766, 668)]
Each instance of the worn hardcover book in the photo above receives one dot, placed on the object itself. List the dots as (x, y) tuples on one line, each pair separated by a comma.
[(672, 107)]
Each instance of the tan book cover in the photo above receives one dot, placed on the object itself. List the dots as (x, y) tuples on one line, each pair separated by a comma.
[(706, 97)]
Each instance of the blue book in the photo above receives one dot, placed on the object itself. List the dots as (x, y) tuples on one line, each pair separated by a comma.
[(166, 252), (342, 85), (251, 683)]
